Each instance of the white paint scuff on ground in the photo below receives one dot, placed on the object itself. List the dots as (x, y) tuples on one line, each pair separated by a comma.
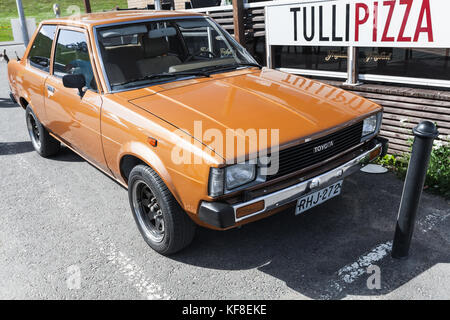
[(428, 223)]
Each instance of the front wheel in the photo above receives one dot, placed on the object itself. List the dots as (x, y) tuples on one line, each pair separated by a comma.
[(42, 141), (161, 221)]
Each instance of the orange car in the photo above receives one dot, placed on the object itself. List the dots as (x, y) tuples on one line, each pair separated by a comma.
[(174, 109)]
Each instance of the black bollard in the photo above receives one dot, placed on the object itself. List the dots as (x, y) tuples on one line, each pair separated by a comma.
[(424, 133)]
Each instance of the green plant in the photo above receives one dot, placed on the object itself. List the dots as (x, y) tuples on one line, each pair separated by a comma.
[(438, 175)]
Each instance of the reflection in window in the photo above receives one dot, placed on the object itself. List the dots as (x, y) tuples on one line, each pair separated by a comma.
[(311, 58), (72, 56), (39, 55), (203, 39), (405, 62)]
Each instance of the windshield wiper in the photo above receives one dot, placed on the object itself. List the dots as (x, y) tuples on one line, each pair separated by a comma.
[(249, 64), (190, 73), (157, 76), (232, 66)]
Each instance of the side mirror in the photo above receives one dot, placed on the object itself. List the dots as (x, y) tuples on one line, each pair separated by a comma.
[(75, 81)]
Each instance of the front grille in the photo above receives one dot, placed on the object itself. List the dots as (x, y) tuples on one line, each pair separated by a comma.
[(303, 156)]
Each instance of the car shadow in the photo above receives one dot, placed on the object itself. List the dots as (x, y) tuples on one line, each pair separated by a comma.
[(10, 148), (307, 251), (67, 155), (7, 103)]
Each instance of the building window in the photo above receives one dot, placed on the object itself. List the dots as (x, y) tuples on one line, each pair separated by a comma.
[(405, 62), (311, 58)]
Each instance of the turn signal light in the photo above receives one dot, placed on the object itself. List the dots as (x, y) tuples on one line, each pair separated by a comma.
[(375, 153), (249, 209), (152, 142)]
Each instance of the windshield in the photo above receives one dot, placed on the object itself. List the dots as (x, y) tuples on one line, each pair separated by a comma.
[(144, 53)]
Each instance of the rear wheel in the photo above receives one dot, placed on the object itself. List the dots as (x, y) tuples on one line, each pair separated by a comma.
[(161, 221), (42, 141)]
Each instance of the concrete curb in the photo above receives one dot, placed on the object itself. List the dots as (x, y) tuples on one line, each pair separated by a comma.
[(10, 43)]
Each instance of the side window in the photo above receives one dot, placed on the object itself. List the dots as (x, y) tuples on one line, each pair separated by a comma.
[(39, 55), (72, 56)]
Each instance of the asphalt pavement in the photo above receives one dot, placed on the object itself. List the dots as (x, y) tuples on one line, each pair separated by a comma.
[(66, 232)]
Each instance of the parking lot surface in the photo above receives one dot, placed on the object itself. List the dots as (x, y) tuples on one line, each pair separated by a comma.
[(66, 232)]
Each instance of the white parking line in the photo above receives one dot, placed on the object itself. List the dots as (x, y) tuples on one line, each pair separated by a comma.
[(134, 274), (353, 271), (126, 266)]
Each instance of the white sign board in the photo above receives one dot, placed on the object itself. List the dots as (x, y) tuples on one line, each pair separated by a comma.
[(361, 23)]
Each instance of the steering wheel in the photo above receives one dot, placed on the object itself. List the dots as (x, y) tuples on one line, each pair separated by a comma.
[(201, 53)]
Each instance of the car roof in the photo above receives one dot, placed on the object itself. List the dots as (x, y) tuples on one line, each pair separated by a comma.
[(110, 17)]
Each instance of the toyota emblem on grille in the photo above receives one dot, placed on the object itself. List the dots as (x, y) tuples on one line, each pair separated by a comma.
[(323, 147)]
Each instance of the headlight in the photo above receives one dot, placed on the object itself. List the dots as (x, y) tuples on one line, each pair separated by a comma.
[(371, 125), (239, 174), (230, 178)]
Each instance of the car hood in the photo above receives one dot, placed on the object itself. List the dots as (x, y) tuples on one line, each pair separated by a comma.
[(247, 99)]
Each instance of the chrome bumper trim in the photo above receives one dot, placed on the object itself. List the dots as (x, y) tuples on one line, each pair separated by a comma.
[(282, 197)]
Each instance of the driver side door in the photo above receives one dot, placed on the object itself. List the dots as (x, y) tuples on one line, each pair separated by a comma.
[(73, 117)]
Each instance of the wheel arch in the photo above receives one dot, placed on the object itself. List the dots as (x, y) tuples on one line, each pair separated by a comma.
[(137, 153), (23, 102)]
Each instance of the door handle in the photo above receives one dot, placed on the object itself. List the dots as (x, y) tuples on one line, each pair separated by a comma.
[(50, 90)]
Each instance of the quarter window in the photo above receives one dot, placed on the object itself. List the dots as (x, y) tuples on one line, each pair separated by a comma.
[(72, 57), (39, 55)]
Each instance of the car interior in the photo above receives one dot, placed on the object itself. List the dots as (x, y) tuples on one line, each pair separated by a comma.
[(138, 50)]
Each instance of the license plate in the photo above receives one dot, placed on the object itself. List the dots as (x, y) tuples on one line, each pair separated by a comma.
[(314, 199)]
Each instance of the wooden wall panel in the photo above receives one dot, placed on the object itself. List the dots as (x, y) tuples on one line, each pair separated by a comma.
[(402, 112)]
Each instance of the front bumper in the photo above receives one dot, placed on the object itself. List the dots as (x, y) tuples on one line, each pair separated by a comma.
[(223, 215)]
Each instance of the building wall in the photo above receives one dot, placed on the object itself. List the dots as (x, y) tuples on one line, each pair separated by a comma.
[(139, 3), (404, 107), (179, 4)]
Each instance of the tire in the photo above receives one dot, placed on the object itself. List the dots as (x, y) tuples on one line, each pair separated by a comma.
[(42, 141), (151, 201)]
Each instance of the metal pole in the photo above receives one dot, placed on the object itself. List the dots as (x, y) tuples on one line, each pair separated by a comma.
[(157, 4), (210, 37), (57, 10), (424, 133), (87, 6), (352, 67), (269, 60), (23, 22)]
